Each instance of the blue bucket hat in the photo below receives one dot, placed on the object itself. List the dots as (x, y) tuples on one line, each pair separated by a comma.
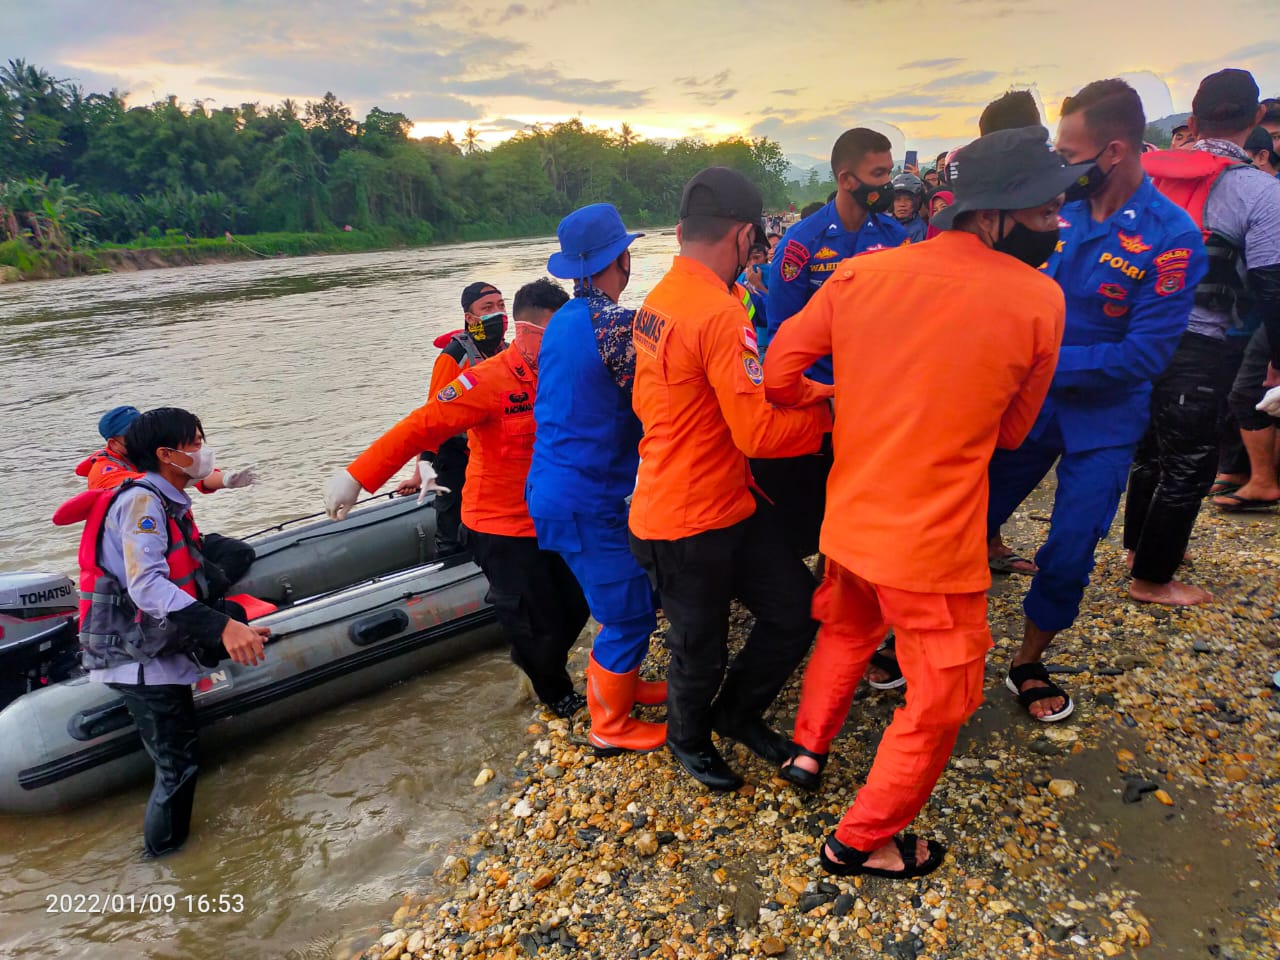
[(116, 421), (590, 239)]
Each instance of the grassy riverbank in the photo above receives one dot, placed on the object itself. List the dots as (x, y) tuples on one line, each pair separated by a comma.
[(19, 260), (629, 858)]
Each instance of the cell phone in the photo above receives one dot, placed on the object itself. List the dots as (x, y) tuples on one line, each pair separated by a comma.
[(912, 159)]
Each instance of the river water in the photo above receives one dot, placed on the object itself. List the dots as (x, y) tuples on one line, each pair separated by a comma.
[(294, 365)]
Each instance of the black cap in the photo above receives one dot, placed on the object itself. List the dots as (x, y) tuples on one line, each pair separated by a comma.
[(1178, 129), (1007, 170), (474, 291), (1226, 98), (721, 192)]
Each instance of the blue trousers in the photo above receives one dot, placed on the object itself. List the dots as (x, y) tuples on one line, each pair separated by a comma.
[(598, 551), (1090, 484)]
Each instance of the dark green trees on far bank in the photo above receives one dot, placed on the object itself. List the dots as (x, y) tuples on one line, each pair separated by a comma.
[(117, 173)]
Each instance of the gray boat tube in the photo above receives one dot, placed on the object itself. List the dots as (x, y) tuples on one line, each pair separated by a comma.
[(359, 628)]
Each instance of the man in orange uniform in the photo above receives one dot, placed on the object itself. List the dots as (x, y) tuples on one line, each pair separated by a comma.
[(538, 602), (971, 322), (696, 527), (484, 332)]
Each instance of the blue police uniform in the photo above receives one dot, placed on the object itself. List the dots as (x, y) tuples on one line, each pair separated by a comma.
[(585, 455), (808, 254), (916, 229), (1129, 284)]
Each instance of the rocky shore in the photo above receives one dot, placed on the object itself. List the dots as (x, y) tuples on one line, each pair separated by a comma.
[(1146, 824)]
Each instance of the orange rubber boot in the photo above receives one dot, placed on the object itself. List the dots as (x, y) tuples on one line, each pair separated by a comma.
[(610, 697), (651, 693)]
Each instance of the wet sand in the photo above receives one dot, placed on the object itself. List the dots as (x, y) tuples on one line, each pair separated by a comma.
[(628, 857)]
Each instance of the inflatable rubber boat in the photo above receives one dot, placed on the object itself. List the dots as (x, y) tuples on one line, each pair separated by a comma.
[(353, 605)]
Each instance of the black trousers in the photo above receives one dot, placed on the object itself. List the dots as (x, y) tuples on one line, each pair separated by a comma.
[(539, 606), (698, 576), (165, 716), (1247, 390), (230, 556), (450, 463), (1177, 458), (797, 486)]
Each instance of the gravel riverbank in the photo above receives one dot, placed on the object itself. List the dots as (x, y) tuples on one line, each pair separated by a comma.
[(1147, 823)]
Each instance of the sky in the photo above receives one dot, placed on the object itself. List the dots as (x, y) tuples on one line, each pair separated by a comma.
[(797, 72)]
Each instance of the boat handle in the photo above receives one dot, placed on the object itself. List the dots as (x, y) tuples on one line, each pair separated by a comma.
[(378, 627), (99, 721)]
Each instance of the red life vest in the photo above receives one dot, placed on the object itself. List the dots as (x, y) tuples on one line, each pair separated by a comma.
[(1187, 177), (112, 629)]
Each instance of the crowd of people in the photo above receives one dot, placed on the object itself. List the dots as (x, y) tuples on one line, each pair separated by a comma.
[(936, 343)]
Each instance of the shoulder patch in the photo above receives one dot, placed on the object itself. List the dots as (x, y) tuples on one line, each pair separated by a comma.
[(826, 253), (751, 364), (457, 388), (749, 339), (794, 256), (1170, 282), (147, 524)]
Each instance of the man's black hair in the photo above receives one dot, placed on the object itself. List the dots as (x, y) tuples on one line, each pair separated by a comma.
[(760, 248), (703, 228), (1112, 111), (542, 294), (1017, 108), (810, 209), (852, 145), (1272, 116), (163, 427)]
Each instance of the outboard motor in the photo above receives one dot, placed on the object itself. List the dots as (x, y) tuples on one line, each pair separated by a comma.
[(39, 643)]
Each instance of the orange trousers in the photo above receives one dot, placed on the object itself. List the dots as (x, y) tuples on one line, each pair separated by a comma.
[(942, 643)]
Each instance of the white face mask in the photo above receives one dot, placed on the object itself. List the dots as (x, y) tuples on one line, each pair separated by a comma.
[(201, 464)]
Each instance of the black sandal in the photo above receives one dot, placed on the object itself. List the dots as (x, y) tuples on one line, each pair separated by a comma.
[(890, 666), (1020, 674), (801, 777), (852, 862)]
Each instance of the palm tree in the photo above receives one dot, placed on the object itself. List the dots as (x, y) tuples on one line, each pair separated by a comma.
[(470, 140)]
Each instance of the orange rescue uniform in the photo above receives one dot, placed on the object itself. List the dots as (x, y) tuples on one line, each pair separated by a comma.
[(105, 471), (493, 401), (942, 352), (699, 394)]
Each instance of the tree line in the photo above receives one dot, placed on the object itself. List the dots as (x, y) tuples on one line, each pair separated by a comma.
[(80, 168)]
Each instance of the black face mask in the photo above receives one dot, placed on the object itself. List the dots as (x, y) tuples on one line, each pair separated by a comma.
[(873, 199), (1032, 247), (1089, 182), (488, 331)]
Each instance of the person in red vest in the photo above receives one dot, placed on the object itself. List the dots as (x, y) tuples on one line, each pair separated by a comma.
[(109, 467), (152, 611)]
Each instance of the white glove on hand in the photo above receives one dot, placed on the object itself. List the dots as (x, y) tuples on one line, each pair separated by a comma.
[(340, 493), (427, 474), (1270, 404), (244, 477)]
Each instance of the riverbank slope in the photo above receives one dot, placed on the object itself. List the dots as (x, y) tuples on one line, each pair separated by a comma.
[(629, 858)]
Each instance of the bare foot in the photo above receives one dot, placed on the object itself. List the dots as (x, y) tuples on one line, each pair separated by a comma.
[(876, 675), (998, 550), (1171, 594), (888, 857), (1045, 707)]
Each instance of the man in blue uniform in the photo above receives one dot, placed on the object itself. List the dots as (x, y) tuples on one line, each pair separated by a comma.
[(585, 455), (1128, 261), (908, 195), (856, 221)]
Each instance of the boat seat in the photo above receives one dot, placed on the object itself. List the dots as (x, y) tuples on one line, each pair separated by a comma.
[(253, 607)]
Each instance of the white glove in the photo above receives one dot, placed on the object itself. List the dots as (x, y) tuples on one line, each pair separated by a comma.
[(340, 493), (244, 477), (1270, 404), (427, 474)]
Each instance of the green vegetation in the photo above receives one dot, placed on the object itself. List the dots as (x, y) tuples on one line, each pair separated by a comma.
[(80, 172)]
